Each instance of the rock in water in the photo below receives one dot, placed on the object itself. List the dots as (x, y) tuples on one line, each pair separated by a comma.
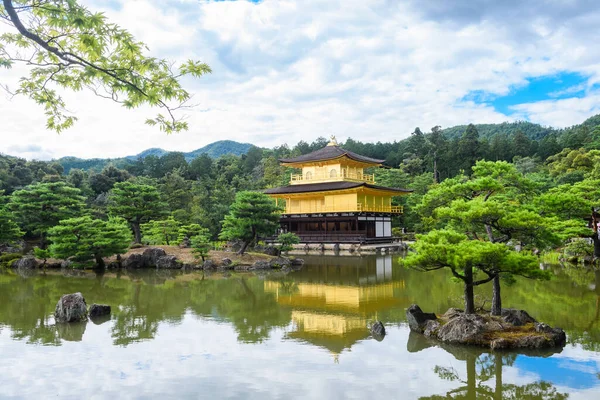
[(417, 319), (99, 310), (378, 330), (71, 308)]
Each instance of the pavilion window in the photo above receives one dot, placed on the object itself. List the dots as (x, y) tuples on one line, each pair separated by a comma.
[(333, 173)]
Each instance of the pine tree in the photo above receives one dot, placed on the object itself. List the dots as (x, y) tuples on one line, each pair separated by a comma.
[(41, 206), (85, 240), (492, 205), (201, 245), (251, 215), (136, 203), (9, 230), (465, 258), (164, 231)]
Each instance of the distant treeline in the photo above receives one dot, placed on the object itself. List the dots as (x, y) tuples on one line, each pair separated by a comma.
[(201, 190)]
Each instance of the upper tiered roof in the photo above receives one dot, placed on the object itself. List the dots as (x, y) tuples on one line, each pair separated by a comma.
[(330, 152)]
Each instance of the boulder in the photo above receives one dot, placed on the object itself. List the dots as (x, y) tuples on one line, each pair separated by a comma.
[(226, 262), (134, 261), (378, 330), (431, 328), (209, 264), (417, 318), (150, 256), (296, 261), (452, 312), (27, 262), (71, 308), (66, 264), (462, 329), (516, 317), (556, 335), (271, 251), (280, 262), (261, 265), (98, 310), (167, 262)]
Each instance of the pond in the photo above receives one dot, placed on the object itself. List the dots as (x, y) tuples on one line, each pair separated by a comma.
[(281, 336)]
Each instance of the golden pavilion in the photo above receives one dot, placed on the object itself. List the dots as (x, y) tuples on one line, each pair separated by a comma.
[(333, 200)]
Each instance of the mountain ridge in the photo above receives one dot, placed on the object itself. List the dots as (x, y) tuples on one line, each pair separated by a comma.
[(215, 150)]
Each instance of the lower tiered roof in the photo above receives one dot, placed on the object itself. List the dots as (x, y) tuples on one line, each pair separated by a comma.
[(330, 186)]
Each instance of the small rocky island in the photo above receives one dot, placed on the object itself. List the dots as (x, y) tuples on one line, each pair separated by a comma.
[(514, 329)]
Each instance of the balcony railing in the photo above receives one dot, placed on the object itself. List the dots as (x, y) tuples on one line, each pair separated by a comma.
[(359, 207), (344, 175)]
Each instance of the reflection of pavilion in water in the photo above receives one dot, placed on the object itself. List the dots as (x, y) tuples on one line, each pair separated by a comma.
[(334, 298)]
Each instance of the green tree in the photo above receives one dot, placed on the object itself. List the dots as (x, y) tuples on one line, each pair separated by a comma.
[(136, 203), (287, 241), (85, 240), (9, 230), (66, 46), (251, 215), (201, 245), (41, 206), (164, 231), (469, 148), (465, 258), (575, 208), (493, 204), (188, 231)]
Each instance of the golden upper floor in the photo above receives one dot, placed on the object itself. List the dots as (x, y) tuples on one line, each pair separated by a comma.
[(331, 164)]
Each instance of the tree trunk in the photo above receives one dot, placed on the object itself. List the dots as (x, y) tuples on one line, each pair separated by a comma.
[(498, 373), (135, 225), (496, 297), (244, 246), (471, 376), (469, 295), (596, 241), (99, 261)]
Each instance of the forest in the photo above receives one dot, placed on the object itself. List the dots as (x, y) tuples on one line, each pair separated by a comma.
[(169, 192)]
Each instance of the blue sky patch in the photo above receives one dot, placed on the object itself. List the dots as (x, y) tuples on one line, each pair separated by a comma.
[(562, 85), (575, 374)]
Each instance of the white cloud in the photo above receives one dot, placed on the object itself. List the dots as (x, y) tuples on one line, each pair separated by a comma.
[(286, 71)]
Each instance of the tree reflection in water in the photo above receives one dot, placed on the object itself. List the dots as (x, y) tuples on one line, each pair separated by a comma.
[(481, 367)]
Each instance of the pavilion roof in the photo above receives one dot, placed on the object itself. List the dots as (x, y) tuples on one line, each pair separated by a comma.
[(329, 186), (329, 153)]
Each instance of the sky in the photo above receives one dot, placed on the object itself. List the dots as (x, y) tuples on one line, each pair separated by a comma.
[(373, 70)]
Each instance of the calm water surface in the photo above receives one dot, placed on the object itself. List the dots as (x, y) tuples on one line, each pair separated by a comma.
[(300, 335)]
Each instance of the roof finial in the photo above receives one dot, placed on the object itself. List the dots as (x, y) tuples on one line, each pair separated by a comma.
[(332, 141)]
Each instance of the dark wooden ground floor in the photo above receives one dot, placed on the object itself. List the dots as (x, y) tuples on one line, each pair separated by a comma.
[(339, 227)]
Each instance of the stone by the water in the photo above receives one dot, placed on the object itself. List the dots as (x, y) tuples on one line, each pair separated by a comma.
[(516, 317), (167, 262), (417, 318), (514, 329), (99, 310), (209, 264), (378, 330), (152, 255), (27, 262), (71, 308)]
